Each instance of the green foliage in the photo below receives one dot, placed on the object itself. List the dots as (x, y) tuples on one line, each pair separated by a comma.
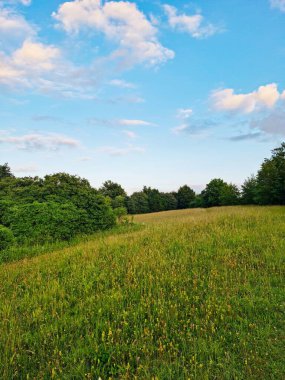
[(121, 214), (271, 179), (168, 201), (6, 237), (137, 203), (112, 190), (154, 199), (185, 197), (230, 195), (212, 195), (249, 191), (38, 222), (118, 201), (5, 171)]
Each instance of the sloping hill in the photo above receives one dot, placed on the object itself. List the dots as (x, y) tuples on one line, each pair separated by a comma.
[(192, 294)]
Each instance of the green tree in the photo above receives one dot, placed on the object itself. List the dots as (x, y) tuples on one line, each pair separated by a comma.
[(271, 179), (168, 201), (119, 201), (112, 190), (5, 171), (137, 203), (249, 191), (185, 197), (212, 195), (230, 195), (154, 199)]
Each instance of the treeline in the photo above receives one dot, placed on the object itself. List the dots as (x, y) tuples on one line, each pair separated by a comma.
[(60, 206), (267, 187)]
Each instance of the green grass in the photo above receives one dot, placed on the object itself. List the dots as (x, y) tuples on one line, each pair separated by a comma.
[(195, 294)]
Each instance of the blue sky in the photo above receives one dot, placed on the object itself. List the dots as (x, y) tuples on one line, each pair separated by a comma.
[(142, 93)]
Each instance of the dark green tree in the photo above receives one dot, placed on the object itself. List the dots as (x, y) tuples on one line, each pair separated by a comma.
[(137, 203), (249, 191), (212, 195), (185, 197), (271, 179), (112, 190), (5, 171), (154, 199), (230, 195), (168, 201)]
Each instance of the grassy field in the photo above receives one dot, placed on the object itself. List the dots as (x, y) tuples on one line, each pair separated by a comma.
[(195, 294)]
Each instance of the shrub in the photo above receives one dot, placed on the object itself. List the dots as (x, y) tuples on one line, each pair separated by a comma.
[(47, 221), (6, 237)]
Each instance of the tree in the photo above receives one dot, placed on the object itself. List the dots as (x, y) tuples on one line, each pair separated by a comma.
[(137, 203), (212, 195), (112, 190), (5, 171), (249, 189), (271, 179), (168, 201), (154, 199), (118, 202), (185, 197), (230, 195)]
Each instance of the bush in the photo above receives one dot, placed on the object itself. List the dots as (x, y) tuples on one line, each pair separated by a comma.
[(6, 237), (47, 221)]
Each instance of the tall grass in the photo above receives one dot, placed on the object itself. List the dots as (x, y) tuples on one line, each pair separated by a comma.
[(196, 294)]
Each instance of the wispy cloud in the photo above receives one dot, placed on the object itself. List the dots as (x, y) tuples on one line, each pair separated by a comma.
[(184, 113), (130, 134), (40, 141), (272, 123), (246, 136), (121, 83), (195, 24), (135, 123), (115, 151), (278, 4), (13, 24)]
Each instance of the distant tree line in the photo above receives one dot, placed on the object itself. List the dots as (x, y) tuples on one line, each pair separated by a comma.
[(60, 206), (265, 188)]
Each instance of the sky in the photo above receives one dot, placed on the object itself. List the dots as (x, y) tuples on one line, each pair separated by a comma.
[(156, 93)]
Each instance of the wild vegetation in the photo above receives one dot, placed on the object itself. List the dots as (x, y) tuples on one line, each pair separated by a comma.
[(190, 294), (61, 206)]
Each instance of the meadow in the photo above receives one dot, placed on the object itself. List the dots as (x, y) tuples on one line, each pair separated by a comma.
[(191, 294)]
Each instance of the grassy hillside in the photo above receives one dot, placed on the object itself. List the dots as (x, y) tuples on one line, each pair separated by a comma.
[(195, 294)]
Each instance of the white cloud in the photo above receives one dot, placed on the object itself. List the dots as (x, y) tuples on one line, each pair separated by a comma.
[(26, 64), (278, 4), (26, 2), (184, 113), (130, 134), (264, 97), (194, 25), (113, 151), (36, 56), (39, 67), (180, 128), (134, 123), (14, 25), (40, 141), (120, 22), (121, 83)]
